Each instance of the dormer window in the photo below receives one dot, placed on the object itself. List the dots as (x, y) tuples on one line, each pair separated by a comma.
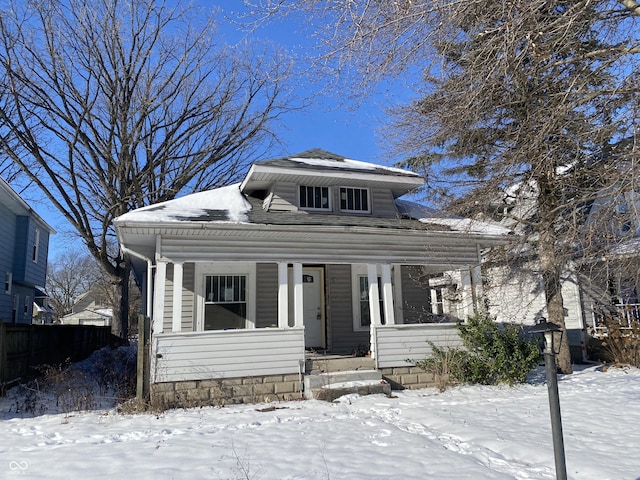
[(314, 197), (354, 199)]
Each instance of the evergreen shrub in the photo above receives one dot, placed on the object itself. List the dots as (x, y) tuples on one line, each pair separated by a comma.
[(492, 353)]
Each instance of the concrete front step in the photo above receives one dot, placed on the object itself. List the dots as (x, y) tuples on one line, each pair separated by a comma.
[(331, 394), (331, 385), (324, 364)]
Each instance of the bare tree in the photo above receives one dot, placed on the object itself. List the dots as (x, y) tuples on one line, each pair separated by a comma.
[(111, 105), (69, 275), (74, 273), (521, 102)]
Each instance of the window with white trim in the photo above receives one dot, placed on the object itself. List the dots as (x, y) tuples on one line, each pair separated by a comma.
[(354, 199), (225, 302), (8, 280), (360, 295), (363, 295), (27, 305), (316, 198), (226, 295), (36, 245)]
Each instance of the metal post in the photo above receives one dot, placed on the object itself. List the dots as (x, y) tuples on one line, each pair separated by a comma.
[(554, 409)]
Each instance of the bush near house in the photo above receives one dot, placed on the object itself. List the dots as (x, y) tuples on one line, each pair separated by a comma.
[(621, 343), (492, 353)]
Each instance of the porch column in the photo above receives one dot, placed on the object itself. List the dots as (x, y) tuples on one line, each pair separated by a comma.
[(466, 290), (283, 295), (297, 295), (387, 294), (176, 322), (374, 307), (158, 296), (476, 283), (374, 297)]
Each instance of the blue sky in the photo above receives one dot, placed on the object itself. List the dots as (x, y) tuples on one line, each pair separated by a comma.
[(348, 130), (326, 123)]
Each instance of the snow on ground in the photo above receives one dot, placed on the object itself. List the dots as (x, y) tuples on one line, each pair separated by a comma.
[(470, 432)]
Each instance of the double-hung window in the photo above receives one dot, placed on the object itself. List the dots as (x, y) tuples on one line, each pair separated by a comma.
[(354, 199), (316, 198), (225, 302), (363, 295), (360, 298)]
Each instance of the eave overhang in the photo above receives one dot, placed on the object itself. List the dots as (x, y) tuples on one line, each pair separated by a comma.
[(261, 177), (208, 241)]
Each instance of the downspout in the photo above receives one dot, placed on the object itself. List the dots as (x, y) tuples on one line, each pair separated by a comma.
[(149, 290)]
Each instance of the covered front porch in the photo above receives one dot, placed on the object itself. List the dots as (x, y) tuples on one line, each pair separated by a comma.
[(269, 364), (239, 309), (219, 320)]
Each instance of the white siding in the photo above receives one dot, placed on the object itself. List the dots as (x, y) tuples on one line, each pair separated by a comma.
[(518, 297), (398, 343), (227, 354)]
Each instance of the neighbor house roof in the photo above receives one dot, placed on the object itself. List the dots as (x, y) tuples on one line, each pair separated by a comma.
[(10, 199)]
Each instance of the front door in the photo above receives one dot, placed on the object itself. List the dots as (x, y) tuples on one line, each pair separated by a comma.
[(313, 305)]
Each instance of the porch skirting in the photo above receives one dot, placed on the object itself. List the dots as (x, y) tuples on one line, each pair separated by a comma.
[(226, 391), (261, 389)]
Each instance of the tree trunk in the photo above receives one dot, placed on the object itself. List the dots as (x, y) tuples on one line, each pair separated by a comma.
[(120, 321), (551, 269)]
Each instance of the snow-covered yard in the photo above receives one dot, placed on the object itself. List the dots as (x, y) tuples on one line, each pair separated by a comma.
[(468, 432)]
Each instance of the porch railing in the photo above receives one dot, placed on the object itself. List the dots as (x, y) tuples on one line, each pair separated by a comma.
[(217, 354), (395, 344), (626, 314)]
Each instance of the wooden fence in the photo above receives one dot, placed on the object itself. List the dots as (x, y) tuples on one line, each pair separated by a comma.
[(25, 347)]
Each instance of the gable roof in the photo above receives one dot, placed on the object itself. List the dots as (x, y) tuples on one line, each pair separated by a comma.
[(321, 168), (11, 200)]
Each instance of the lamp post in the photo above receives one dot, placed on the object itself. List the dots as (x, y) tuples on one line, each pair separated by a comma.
[(548, 329)]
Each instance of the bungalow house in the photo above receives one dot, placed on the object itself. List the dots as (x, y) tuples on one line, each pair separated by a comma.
[(24, 246), (252, 287)]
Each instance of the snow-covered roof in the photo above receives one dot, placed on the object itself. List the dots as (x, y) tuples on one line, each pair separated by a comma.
[(228, 205), (348, 164), (225, 204), (87, 313), (321, 168), (429, 215), (629, 247)]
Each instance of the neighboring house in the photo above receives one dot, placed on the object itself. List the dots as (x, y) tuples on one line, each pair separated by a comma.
[(611, 281), (43, 312), (514, 293), (91, 308), (593, 286), (24, 247), (312, 253)]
